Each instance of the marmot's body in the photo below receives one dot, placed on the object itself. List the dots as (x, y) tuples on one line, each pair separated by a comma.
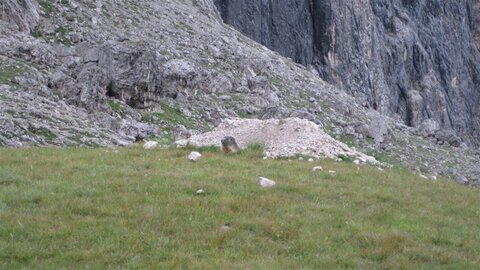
[(229, 145)]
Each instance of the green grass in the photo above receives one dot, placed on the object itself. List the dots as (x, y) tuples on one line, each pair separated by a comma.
[(8, 72), (115, 106), (47, 8), (44, 132), (128, 208), (170, 114)]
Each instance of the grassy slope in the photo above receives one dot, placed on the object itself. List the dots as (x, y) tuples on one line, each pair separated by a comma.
[(94, 208)]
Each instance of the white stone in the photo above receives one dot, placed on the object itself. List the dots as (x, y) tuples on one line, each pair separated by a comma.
[(194, 156), (311, 160), (300, 158), (332, 172), (150, 145), (200, 191), (181, 143), (356, 162), (265, 182), (317, 169)]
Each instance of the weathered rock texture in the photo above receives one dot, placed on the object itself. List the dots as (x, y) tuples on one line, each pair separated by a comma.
[(415, 60), (281, 138), (112, 72), (20, 14)]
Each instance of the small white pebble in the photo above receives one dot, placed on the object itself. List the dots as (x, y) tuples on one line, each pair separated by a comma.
[(194, 156), (311, 160), (265, 182), (265, 158), (200, 191), (317, 169), (150, 145)]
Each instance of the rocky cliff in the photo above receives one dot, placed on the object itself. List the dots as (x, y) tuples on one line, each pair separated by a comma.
[(112, 72), (418, 61)]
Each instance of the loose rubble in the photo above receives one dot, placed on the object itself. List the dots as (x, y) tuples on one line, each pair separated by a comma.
[(282, 138)]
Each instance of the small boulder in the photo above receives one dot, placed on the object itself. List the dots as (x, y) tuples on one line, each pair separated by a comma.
[(311, 160), (194, 156), (181, 143), (229, 145), (150, 145), (265, 182), (200, 191), (317, 169)]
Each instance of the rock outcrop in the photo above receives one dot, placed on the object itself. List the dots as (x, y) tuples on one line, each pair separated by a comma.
[(414, 60), (19, 14), (102, 73)]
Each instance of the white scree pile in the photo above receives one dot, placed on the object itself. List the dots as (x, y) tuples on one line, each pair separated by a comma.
[(281, 138)]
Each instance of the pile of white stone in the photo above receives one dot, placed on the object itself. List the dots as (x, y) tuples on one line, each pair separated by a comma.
[(281, 138)]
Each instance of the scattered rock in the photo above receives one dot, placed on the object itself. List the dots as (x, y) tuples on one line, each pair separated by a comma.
[(181, 143), (265, 182), (448, 137), (281, 138), (194, 156), (317, 169), (311, 160), (150, 145), (378, 128), (332, 172), (200, 192), (181, 132)]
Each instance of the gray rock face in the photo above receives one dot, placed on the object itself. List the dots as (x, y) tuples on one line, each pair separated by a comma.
[(102, 72), (413, 60), (284, 25), (20, 14)]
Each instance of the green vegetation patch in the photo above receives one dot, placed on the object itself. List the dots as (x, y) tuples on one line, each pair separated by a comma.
[(170, 114), (44, 132), (8, 72), (47, 8), (128, 208), (114, 105)]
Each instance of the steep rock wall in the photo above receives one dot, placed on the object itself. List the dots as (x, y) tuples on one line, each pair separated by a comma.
[(21, 14), (415, 60)]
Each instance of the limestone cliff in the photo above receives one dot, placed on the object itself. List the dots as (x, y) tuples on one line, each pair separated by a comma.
[(418, 61)]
